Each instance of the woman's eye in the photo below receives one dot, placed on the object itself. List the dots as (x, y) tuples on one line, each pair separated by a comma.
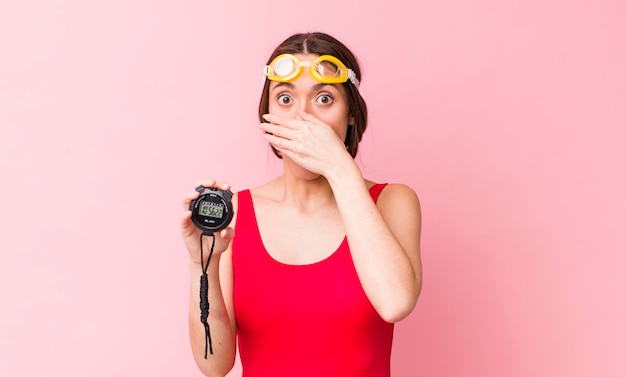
[(324, 99), (284, 99)]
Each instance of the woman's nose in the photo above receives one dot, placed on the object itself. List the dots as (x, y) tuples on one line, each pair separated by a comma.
[(304, 105)]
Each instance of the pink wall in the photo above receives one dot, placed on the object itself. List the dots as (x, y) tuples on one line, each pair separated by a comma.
[(507, 118)]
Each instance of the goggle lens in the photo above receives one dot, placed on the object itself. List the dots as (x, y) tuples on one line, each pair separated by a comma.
[(328, 69), (284, 67)]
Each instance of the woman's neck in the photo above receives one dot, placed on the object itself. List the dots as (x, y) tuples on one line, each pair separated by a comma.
[(304, 193)]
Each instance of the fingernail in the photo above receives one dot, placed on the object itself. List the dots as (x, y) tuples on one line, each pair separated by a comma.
[(266, 116)]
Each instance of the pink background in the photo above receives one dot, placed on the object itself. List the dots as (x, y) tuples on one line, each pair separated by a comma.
[(507, 118)]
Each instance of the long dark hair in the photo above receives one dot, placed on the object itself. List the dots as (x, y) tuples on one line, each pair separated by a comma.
[(323, 44)]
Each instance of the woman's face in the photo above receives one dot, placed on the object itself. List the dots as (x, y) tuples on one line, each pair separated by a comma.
[(327, 102)]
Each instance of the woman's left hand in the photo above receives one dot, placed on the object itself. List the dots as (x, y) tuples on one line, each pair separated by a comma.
[(307, 141)]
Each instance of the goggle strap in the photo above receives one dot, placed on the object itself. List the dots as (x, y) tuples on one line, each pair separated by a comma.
[(352, 78)]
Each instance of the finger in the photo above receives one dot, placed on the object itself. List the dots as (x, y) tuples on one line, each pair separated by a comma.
[(188, 198), (206, 182), (309, 117), (213, 183), (222, 186), (187, 228), (283, 121), (285, 152), (278, 130), (186, 217), (227, 234), (278, 142)]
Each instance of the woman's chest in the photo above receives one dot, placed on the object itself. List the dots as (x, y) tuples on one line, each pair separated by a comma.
[(291, 237)]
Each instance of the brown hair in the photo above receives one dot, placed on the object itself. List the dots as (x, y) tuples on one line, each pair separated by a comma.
[(323, 44)]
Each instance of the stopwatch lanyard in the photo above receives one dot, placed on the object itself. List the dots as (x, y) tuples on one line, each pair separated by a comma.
[(204, 295)]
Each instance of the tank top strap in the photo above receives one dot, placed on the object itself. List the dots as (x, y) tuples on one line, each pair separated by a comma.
[(244, 201), (245, 210), (376, 189), (247, 243)]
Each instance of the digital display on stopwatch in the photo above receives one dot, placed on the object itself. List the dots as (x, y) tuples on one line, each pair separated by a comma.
[(211, 209)]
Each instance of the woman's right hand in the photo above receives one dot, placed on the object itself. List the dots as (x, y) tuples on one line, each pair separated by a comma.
[(191, 234)]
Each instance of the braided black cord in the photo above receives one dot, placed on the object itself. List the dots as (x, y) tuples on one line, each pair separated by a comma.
[(204, 296)]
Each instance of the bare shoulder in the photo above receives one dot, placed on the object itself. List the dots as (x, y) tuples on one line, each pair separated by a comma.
[(268, 192), (400, 209), (398, 198), (258, 193)]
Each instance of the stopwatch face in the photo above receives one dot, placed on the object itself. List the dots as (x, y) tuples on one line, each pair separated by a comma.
[(212, 211)]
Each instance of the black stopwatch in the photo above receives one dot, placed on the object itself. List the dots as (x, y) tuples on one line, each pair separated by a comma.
[(212, 211)]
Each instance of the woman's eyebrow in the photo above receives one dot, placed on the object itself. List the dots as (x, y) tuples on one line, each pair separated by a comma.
[(287, 84), (319, 86)]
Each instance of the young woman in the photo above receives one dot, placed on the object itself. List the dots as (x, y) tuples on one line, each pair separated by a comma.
[(322, 261)]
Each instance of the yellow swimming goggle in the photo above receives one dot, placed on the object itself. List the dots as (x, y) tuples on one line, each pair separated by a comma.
[(326, 69)]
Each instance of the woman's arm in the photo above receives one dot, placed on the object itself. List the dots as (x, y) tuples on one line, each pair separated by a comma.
[(221, 317), (384, 240), (221, 321)]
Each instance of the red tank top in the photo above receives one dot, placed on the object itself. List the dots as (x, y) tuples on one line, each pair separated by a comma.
[(303, 320)]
